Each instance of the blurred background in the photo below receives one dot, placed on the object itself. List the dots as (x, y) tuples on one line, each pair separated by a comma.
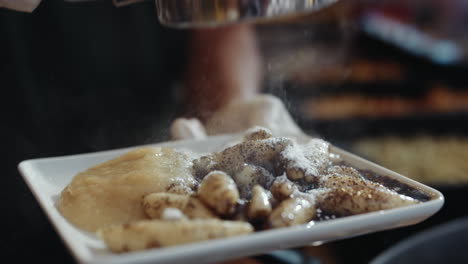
[(386, 80)]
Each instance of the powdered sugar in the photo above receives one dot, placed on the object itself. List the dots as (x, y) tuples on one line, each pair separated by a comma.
[(172, 214), (312, 159)]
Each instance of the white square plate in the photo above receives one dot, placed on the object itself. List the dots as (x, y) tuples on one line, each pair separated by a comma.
[(47, 177)]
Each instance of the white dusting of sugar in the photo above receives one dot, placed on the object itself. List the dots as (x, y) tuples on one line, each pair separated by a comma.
[(312, 158), (172, 214)]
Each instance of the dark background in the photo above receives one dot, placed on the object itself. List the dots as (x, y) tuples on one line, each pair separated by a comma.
[(77, 78)]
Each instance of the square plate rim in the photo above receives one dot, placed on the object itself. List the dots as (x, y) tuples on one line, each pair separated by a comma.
[(81, 256)]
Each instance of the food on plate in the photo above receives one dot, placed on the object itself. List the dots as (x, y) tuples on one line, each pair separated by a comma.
[(148, 234), (292, 211), (282, 188), (154, 205), (219, 192), (157, 197), (339, 194), (111, 192), (260, 205)]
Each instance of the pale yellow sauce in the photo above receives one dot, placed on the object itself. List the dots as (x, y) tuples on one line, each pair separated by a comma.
[(111, 192)]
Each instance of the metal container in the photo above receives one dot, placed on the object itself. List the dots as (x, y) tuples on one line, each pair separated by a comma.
[(212, 13)]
